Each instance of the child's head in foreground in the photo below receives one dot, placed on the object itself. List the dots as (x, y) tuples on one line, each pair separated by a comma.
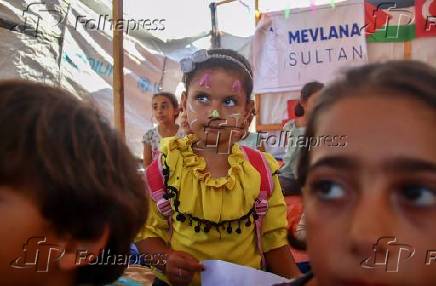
[(66, 180), (217, 102), (380, 189)]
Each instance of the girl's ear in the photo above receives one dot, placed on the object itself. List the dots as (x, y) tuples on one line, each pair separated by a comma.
[(249, 113), (249, 108), (78, 252), (177, 112)]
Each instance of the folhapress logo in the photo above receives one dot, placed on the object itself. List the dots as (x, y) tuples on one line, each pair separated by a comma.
[(388, 254), (38, 254)]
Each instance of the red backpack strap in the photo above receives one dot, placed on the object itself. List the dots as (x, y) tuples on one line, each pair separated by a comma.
[(258, 161), (155, 183)]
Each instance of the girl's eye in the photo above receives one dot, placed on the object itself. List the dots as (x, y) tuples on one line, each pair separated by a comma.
[(229, 102), (419, 196), (328, 190), (202, 98)]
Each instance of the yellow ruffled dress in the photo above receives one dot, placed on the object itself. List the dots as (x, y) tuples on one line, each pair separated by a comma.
[(217, 199)]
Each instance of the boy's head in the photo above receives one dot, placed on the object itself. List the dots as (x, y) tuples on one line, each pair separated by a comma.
[(66, 177), (370, 203)]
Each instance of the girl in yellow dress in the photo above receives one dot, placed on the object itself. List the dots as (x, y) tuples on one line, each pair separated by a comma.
[(212, 207)]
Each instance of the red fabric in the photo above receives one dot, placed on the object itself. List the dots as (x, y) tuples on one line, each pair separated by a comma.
[(255, 159), (375, 19), (294, 211), (425, 16), (291, 109), (154, 180)]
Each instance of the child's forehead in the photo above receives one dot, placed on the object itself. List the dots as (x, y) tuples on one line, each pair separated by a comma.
[(160, 99), (218, 72), (218, 82), (378, 129)]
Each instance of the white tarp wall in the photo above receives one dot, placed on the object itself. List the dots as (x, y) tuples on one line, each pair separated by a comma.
[(45, 42), (68, 43)]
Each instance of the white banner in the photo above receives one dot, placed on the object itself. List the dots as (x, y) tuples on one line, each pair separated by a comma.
[(309, 44)]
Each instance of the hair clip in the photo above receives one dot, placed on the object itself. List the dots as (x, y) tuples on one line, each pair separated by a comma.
[(205, 80), (236, 86), (188, 64)]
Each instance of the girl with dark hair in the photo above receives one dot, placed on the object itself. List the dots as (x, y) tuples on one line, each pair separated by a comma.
[(213, 206), (165, 111), (370, 206), (69, 190), (295, 129), (288, 179)]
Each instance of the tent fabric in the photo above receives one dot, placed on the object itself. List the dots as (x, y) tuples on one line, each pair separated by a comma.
[(51, 42), (63, 53)]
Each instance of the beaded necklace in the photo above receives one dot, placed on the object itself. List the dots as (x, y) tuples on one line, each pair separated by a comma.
[(172, 192)]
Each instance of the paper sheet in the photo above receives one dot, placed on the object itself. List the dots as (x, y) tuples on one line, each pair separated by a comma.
[(219, 272)]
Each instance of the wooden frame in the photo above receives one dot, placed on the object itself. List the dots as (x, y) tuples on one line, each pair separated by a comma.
[(118, 74), (407, 50), (258, 99), (259, 125)]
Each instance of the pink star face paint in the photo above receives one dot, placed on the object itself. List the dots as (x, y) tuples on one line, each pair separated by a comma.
[(236, 86), (205, 80)]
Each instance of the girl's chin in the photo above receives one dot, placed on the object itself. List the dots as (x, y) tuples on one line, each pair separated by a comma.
[(210, 140), (162, 121)]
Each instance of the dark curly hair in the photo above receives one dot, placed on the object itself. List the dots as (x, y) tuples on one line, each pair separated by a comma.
[(307, 91), (171, 97), (82, 175)]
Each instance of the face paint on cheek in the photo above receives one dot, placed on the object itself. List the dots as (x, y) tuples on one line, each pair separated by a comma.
[(191, 108), (192, 121)]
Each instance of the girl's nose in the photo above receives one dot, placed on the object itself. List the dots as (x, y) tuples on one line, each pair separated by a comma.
[(214, 114), (214, 111), (372, 220)]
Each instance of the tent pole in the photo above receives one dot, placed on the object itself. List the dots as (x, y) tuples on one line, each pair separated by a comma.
[(216, 40), (118, 76), (257, 97), (407, 50)]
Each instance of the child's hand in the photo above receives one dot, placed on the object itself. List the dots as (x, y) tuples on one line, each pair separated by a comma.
[(181, 267)]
